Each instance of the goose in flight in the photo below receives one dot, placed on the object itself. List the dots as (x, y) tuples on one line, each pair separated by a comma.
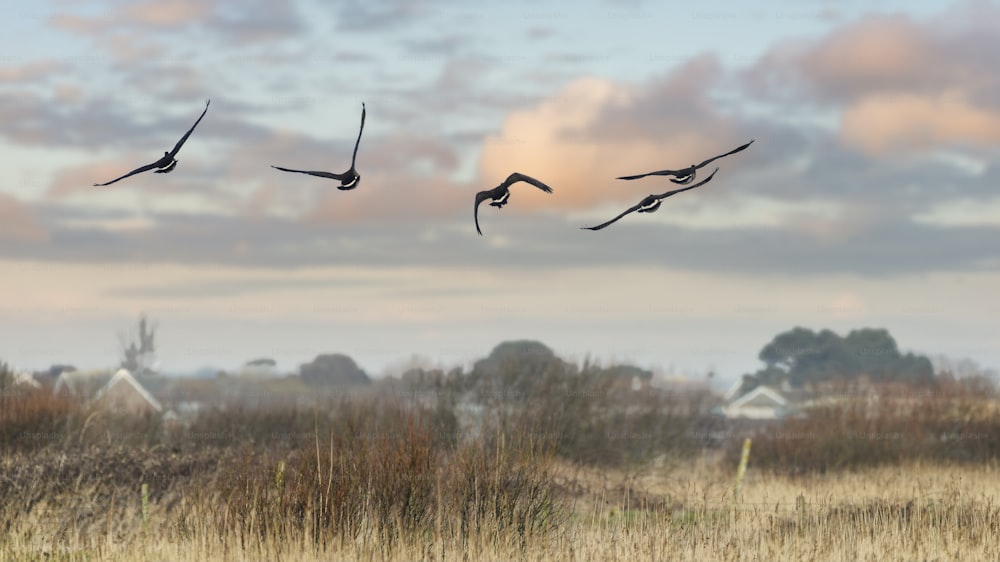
[(166, 164), (685, 175), (501, 193), (349, 179), (651, 203)]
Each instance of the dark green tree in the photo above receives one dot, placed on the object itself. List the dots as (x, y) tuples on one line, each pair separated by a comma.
[(333, 369), (801, 356)]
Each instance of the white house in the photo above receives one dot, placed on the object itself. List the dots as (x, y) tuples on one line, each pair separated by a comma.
[(123, 393), (23, 379), (761, 403)]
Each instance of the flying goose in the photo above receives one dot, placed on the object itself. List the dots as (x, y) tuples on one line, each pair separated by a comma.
[(651, 203), (685, 175), (166, 164), (349, 179), (501, 193)]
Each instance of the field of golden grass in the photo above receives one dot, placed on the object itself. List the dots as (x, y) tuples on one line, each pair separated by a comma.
[(913, 512), (579, 471)]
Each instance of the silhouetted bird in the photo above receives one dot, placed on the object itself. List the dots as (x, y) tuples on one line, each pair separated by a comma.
[(350, 178), (652, 202), (166, 164), (685, 175), (501, 193)]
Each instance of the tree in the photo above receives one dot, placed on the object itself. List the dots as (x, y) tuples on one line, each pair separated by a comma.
[(801, 356), (514, 371), (333, 369), (139, 359)]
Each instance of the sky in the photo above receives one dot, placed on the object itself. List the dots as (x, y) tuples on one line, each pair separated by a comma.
[(868, 199)]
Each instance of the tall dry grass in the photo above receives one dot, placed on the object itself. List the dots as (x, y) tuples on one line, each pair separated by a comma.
[(916, 512), (377, 478), (371, 472), (954, 421)]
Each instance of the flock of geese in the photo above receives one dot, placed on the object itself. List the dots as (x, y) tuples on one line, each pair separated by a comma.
[(498, 196)]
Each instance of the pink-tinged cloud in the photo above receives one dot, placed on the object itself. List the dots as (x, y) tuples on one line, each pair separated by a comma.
[(873, 54), (156, 13), (172, 13), (592, 131), (78, 24), (402, 175), (882, 123), (883, 53), (898, 81), (546, 142), (382, 197), (72, 179), (32, 72), (17, 223)]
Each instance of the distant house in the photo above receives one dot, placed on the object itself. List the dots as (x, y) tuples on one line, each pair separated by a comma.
[(80, 385), (123, 393), (24, 379), (761, 403)]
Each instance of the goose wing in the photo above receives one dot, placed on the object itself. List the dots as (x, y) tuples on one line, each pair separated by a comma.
[(516, 177), (180, 143), (733, 151), (138, 170), (319, 174), (358, 142), (650, 199), (631, 209), (675, 173), (483, 196)]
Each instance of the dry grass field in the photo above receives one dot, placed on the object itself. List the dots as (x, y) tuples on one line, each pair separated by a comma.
[(563, 476), (916, 512)]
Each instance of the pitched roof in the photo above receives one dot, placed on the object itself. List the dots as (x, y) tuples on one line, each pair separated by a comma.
[(124, 377), (760, 396), (730, 392)]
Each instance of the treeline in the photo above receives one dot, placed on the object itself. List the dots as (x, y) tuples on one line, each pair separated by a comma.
[(801, 357)]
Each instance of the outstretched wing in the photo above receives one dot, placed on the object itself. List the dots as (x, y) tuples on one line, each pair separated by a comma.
[(480, 197), (358, 142), (516, 177), (180, 143), (675, 173), (139, 170), (733, 151), (632, 209), (658, 197), (319, 174), (682, 173), (699, 184)]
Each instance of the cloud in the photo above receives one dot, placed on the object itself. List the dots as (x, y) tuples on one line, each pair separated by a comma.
[(539, 242), (384, 199), (806, 198), (594, 130), (252, 21), (900, 82), (874, 54), (377, 15), (18, 224), (90, 122), (882, 123), (162, 14), (242, 285), (168, 13), (31, 72)]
